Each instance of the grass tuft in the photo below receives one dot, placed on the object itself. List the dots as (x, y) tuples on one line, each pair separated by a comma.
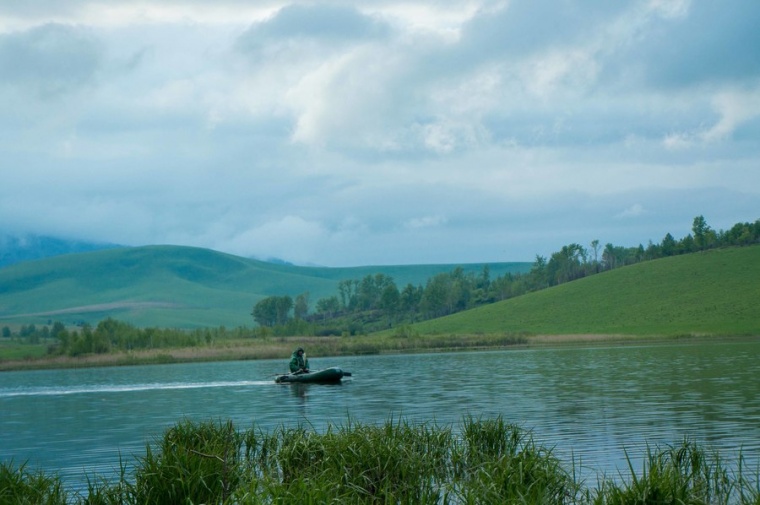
[(483, 461), (20, 485)]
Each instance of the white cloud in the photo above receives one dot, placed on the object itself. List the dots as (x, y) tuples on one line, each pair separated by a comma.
[(292, 236), (670, 8), (634, 210), (425, 222), (734, 107), (335, 133)]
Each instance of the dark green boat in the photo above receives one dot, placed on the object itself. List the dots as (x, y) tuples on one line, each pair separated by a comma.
[(330, 375)]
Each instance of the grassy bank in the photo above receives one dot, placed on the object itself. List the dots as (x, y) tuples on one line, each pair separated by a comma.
[(405, 341), (480, 461), (273, 348)]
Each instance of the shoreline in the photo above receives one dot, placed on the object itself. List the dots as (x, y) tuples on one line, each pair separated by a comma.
[(281, 347)]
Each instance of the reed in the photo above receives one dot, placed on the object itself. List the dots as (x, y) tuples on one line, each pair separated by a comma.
[(481, 461), (396, 462), (681, 474), (499, 462), (193, 463), (20, 485)]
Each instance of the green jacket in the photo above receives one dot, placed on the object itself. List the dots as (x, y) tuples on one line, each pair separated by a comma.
[(298, 362)]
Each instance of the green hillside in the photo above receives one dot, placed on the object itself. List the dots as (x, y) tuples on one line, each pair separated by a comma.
[(172, 286), (715, 292)]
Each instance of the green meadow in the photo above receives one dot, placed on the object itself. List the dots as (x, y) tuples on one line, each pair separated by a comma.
[(715, 292)]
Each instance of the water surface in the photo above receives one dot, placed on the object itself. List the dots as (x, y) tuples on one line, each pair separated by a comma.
[(589, 404)]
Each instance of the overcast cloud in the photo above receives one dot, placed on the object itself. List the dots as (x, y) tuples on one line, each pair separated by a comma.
[(379, 132)]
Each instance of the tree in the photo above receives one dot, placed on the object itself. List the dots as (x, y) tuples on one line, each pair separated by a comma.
[(538, 275), (596, 247), (411, 297), (272, 310), (301, 307), (669, 245), (328, 307), (700, 229), (347, 291), (283, 304), (567, 264), (390, 301), (370, 289), (435, 296), (58, 327)]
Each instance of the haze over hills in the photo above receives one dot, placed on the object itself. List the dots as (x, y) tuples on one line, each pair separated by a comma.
[(19, 248), (177, 286)]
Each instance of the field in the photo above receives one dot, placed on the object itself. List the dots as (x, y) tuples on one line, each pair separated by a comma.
[(711, 293), (176, 287)]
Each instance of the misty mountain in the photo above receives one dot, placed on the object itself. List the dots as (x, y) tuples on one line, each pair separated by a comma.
[(16, 249)]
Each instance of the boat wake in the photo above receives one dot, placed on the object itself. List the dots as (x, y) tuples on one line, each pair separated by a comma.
[(121, 388)]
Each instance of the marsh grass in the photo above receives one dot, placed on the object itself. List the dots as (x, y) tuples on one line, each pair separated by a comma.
[(20, 485), (499, 462), (193, 463), (481, 461), (681, 474), (397, 462)]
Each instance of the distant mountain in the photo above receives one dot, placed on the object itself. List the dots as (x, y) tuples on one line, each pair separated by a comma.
[(177, 286), (15, 249)]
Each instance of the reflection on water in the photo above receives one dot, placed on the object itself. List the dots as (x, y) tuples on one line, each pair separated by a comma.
[(589, 404)]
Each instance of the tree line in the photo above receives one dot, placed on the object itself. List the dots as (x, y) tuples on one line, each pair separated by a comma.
[(376, 302), (111, 335)]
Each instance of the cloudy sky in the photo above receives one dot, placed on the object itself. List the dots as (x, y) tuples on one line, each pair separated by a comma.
[(347, 133)]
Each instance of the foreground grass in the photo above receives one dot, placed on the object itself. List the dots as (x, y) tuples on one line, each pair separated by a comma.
[(481, 461)]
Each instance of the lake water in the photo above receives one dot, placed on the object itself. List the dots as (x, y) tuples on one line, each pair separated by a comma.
[(590, 404)]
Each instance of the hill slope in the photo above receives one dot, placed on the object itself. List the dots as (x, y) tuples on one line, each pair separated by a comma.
[(715, 292), (173, 286)]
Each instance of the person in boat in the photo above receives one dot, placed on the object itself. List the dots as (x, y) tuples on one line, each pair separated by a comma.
[(299, 363)]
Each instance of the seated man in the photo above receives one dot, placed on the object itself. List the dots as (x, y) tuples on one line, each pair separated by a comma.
[(299, 363)]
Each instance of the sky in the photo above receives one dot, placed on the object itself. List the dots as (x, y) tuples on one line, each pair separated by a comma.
[(380, 132)]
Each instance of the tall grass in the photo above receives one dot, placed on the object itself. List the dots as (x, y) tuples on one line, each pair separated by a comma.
[(499, 461), (682, 474), (194, 463), (20, 485), (481, 461)]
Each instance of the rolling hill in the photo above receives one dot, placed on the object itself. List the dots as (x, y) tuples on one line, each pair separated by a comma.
[(175, 286), (715, 292)]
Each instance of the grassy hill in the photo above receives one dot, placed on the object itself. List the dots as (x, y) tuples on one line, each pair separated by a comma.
[(173, 286), (715, 292)]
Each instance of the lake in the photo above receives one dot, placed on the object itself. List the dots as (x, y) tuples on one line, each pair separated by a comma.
[(590, 404)]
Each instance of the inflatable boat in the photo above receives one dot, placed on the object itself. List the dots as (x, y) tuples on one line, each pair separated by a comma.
[(327, 376)]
